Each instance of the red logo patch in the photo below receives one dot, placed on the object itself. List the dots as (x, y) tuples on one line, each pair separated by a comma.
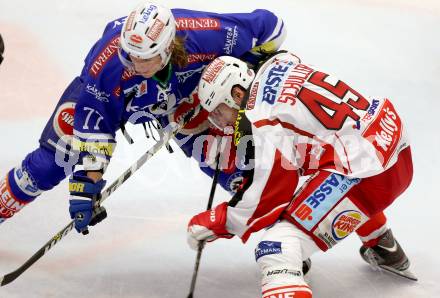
[(130, 21), (385, 132), (212, 71), (303, 212), (201, 57), (345, 223), (9, 205), (128, 74), (252, 96), (63, 119), (156, 30), (106, 54), (136, 38), (198, 24)]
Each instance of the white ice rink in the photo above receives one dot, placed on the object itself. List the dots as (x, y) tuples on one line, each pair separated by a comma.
[(382, 47)]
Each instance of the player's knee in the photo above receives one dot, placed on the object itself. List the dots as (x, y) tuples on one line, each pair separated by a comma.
[(275, 265), (42, 167), (286, 281), (283, 274), (281, 271)]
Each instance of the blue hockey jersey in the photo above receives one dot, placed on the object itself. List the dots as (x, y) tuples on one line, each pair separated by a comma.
[(112, 96)]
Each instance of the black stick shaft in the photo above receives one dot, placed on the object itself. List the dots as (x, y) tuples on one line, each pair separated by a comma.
[(202, 243)]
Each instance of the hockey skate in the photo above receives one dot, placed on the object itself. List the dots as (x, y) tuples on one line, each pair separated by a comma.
[(388, 255)]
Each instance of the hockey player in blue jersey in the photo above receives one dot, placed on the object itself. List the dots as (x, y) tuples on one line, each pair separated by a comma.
[(141, 69)]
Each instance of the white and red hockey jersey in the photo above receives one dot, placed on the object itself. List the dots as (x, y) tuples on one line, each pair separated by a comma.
[(302, 120)]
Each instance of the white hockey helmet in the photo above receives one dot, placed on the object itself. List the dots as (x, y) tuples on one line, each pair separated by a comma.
[(218, 79), (148, 31)]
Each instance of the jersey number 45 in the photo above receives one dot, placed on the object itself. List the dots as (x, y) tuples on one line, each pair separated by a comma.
[(333, 103)]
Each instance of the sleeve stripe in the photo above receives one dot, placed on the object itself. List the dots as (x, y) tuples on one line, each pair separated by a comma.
[(279, 30), (60, 148), (345, 153), (276, 121), (276, 195), (94, 136), (254, 221)]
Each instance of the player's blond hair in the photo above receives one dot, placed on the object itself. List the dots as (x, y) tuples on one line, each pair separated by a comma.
[(179, 57)]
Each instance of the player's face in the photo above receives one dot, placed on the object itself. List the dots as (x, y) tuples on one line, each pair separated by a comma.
[(147, 67), (224, 116)]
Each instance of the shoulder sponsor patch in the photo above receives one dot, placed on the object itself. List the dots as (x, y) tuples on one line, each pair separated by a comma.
[(98, 94), (371, 110), (272, 80), (197, 24), (110, 50), (201, 57), (231, 39), (385, 132)]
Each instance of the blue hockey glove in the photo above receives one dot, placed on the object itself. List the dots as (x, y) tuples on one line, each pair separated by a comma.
[(83, 195)]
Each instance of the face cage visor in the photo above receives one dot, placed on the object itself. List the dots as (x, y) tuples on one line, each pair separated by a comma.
[(124, 57), (227, 130)]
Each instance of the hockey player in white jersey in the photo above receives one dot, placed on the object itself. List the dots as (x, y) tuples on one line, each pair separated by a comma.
[(291, 120)]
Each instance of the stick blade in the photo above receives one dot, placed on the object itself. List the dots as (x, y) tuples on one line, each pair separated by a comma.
[(8, 278), (400, 273)]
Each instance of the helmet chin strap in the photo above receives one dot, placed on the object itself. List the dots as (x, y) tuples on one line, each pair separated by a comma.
[(215, 124), (227, 130)]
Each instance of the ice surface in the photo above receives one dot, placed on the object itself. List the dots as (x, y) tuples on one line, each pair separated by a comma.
[(387, 48)]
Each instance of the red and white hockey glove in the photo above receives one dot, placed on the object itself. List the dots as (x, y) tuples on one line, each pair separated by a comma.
[(208, 226)]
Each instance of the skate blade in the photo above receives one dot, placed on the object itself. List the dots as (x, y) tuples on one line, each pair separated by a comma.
[(401, 273)]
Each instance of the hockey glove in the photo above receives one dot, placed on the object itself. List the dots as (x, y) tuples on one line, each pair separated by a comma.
[(83, 194), (208, 226)]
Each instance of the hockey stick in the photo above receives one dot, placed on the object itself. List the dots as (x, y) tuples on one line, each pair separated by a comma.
[(169, 132), (202, 243)]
